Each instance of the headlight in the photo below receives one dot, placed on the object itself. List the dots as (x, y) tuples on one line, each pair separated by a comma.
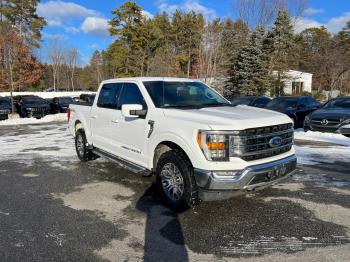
[(345, 122), (214, 145), (307, 119)]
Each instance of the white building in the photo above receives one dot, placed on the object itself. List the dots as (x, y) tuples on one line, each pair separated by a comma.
[(296, 82)]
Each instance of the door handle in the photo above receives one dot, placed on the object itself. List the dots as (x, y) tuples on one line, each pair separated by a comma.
[(115, 121), (93, 117)]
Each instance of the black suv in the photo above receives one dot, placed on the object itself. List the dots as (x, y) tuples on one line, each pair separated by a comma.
[(334, 116), (296, 107), (5, 108), (257, 101), (61, 104), (32, 106)]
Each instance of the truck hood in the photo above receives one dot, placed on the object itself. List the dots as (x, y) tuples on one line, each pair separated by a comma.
[(229, 118)]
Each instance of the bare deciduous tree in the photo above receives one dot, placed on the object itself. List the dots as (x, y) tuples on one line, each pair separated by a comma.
[(56, 58), (72, 56), (264, 12)]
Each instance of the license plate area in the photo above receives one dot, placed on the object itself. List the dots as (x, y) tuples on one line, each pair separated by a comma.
[(273, 173)]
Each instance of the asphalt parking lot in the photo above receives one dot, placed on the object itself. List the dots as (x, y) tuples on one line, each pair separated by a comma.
[(54, 208)]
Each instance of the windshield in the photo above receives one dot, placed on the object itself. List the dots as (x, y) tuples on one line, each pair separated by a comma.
[(5, 103), (66, 100), (33, 101), (183, 94), (241, 101), (343, 103), (283, 103)]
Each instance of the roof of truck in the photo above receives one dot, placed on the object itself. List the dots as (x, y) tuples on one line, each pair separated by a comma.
[(143, 79)]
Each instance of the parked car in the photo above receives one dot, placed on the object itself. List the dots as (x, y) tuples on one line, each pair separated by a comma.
[(61, 104), (257, 101), (87, 98), (296, 107), (32, 106), (192, 139), (5, 108), (334, 117)]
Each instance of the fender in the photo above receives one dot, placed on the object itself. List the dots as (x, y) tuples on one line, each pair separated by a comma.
[(170, 137)]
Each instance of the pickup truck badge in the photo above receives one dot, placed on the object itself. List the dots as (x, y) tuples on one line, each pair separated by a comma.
[(275, 141)]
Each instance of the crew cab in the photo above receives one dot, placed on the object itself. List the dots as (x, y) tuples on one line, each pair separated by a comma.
[(197, 144)]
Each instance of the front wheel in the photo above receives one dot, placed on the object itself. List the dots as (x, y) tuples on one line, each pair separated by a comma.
[(81, 146), (175, 180)]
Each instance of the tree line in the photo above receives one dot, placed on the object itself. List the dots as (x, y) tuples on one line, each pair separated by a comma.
[(246, 56)]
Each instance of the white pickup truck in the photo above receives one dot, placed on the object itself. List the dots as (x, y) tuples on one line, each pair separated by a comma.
[(198, 145)]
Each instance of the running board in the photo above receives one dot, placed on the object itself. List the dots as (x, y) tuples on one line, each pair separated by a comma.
[(123, 162)]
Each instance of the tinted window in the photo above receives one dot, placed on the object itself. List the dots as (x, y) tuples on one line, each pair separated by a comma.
[(261, 101), (288, 102), (131, 94), (338, 103), (66, 100), (4, 102), (241, 101), (109, 95)]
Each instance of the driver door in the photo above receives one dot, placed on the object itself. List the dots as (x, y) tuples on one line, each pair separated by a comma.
[(131, 132)]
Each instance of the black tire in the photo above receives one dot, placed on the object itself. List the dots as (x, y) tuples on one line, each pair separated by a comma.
[(81, 146), (346, 135), (177, 158)]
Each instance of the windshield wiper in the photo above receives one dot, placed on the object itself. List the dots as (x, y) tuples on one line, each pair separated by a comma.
[(183, 106), (217, 104)]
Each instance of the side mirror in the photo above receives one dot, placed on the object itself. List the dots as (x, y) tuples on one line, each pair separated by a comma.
[(133, 111)]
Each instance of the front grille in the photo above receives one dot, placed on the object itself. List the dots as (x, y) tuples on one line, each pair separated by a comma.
[(253, 144), (330, 121)]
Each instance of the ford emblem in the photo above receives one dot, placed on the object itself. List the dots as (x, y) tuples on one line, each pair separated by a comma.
[(275, 141)]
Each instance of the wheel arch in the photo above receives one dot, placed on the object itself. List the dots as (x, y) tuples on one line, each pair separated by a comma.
[(165, 146)]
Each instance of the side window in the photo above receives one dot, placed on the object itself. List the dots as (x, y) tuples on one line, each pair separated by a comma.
[(261, 101), (109, 95), (131, 94)]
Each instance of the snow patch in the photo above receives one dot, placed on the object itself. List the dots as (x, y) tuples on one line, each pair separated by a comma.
[(27, 121), (333, 138)]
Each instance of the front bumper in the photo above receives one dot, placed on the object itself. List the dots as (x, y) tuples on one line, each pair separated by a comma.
[(249, 179)]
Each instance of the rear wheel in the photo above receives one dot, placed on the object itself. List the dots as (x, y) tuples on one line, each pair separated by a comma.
[(175, 179), (347, 135), (82, 148)]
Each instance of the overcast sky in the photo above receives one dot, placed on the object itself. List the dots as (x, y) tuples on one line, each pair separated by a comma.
[(83, 23)]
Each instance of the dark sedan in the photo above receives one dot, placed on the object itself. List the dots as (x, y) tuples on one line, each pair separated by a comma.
[(334, 117), (32, 106), (257, 101), (61, 104), (5, 108), (296, 107)]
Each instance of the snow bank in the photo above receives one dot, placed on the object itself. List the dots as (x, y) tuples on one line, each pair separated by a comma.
[(48, 95), (322, 137), (28, 121)]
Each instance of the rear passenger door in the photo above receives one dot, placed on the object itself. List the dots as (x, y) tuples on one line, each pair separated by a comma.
[(132, 132), (104, 117)]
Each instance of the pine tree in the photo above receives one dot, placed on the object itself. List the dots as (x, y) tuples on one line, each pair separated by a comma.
[(249, 75), (21, 15), (281, 46)]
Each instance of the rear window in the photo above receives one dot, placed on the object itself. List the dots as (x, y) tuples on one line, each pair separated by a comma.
[(4, 102)]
